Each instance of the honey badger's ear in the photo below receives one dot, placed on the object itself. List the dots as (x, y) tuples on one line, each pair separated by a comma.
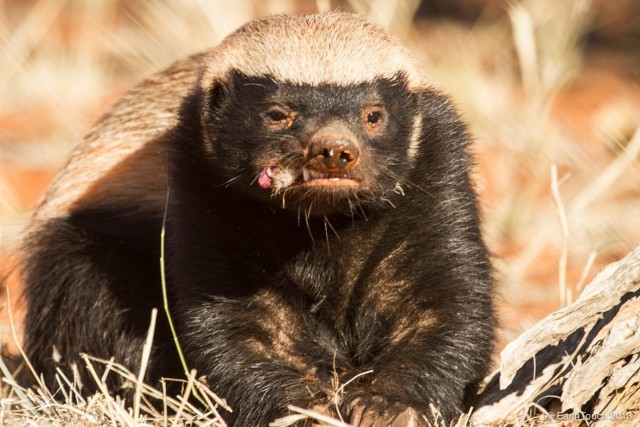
[(218, 91), (213, 95), (439, 134), (209, 98)]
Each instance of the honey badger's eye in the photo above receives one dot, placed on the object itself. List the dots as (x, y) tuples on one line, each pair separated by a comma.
[(277, 115), (279, 118), (373, 118)]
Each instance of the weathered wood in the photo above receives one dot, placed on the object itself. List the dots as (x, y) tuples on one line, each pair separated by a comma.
[(584, 356)]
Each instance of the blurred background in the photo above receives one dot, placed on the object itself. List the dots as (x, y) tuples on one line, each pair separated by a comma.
[(550, 89)]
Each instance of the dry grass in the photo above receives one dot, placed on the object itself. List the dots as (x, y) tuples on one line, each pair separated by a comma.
[(555, 132), (535, 100)]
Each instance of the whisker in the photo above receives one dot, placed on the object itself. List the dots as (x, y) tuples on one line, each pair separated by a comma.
[(280, 137), (327, 222), (306, 218), (364, 215), (253, 84), (326, 234), (255, 179), (406, 181), (384, 199), (229, 181), (351, 213)]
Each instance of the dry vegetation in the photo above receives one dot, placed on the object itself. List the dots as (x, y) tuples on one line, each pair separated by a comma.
[(555, 120)]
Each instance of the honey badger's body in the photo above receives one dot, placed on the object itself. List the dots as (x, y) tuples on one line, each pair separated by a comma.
[(319, 215)]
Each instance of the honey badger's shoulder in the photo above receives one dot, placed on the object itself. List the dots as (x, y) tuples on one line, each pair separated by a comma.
[(121, 162)]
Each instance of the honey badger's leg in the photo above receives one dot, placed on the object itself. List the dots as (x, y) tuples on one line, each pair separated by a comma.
[(88, 293), (242, 324), (424, 314), (424, 353), (257, 358)]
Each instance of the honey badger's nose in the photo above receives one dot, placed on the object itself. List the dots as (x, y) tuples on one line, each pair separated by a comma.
[(332, 155)]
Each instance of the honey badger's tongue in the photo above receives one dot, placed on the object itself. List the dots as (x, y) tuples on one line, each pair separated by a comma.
[(275, 178), (265, 179)]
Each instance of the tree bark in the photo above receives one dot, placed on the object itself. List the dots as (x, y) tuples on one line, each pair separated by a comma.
[(579, 363)]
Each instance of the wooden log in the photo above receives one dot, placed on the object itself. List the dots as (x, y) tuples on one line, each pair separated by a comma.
[(580, 362)]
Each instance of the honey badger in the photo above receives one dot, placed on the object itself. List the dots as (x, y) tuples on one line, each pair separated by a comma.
[(320, 224)]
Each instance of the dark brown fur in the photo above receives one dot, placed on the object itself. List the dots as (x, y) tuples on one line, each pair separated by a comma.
[(280, 284)]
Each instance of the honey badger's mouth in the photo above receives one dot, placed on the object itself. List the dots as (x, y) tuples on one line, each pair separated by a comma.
[(311, 177), (276, 178)]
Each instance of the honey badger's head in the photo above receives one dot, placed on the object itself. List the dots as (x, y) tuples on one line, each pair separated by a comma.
[(317, 112)]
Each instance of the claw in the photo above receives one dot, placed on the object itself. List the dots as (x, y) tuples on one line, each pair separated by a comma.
[(407, 418), (363, 417), (356, 415)]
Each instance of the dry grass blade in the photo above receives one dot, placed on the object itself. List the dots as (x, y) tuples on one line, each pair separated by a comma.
[(8, 379), (207, 395), (610, 175), (17, 48), (564, 224), (146, 353), (308, 413), (525, 43), (185, 397), (17, 341), (39, 407), (340, 390), (122, 414)]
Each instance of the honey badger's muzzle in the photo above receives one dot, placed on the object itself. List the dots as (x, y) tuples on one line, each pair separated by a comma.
[(329, 159), (331, 154)]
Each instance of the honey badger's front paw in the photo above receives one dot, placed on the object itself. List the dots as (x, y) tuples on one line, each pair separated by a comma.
[(374, 412)]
